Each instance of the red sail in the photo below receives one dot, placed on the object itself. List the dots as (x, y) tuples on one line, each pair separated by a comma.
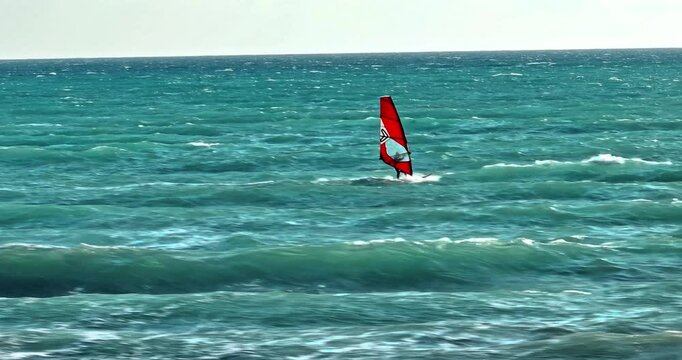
[(392, 141)]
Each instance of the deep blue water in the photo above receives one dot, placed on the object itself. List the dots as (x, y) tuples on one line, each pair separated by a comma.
[(235, 207)]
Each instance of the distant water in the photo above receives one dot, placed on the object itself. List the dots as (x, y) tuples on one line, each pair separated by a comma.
[(235, 207)]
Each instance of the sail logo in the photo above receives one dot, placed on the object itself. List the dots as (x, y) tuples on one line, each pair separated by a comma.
[(383, 136)]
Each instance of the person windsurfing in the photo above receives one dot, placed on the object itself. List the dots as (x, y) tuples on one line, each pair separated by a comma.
[(393, 148)]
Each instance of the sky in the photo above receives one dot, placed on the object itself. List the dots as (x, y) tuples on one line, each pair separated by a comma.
[(120, 28)]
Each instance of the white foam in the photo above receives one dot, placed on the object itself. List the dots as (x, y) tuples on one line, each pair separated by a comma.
[(639, 200), (420, 178), (107, 247), (535, 163), (546, 162), (378, 241), (528, 242), (98, 335), (506, 165), (39, 124), (597, 159), (439, 242), (535, 292), (415, 178), (606, 245), (105, 147), (478, 240), (24, 355), (578, 292), (203, 144), (612, 159), (507, 74), (30, 246)]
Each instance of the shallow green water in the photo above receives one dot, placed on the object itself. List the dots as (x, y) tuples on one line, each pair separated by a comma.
[(236, 208)]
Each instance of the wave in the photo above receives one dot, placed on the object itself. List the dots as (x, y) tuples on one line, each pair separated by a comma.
[(601, 168), (203, 144), (416, 178), (39, 155), (597, 159), (382, 265), (611, 345), (507, 74)]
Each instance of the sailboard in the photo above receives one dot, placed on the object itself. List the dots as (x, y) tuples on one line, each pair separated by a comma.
[(393, 148)]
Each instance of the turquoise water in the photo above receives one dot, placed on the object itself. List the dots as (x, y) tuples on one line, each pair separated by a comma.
[(235, 207)]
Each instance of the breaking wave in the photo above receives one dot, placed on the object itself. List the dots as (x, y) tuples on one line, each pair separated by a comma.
[(597, 159)]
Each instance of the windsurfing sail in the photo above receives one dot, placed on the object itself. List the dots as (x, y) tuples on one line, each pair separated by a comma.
[(392, 141)]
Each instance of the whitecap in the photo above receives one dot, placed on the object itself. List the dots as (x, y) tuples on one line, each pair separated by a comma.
[(507, 165), (377, 241), (478, 241), (578, 292), (107, 247), (440, 241), (607, 245), (535, 292), (39, 124), (203, 144), (605, 158), (547, 162), (528, 242), (30, 246), (417, 178), (597, 159), (98, 335), (105, 147), (507, 74), (608, 158), (25, 355)]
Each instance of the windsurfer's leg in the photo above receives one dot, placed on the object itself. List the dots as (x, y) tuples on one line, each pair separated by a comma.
[(397, 174)]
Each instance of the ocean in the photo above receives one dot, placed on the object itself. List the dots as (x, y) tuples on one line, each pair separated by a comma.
[(236, 207)]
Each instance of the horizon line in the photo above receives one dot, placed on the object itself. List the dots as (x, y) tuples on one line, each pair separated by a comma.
[(332, 53)]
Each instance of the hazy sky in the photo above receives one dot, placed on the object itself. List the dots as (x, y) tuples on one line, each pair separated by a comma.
[(112, 28)]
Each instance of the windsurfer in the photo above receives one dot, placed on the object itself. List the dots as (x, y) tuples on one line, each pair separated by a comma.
[(398, 157)]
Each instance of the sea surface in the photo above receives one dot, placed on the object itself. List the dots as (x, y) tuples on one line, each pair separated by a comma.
[(236, 207)]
